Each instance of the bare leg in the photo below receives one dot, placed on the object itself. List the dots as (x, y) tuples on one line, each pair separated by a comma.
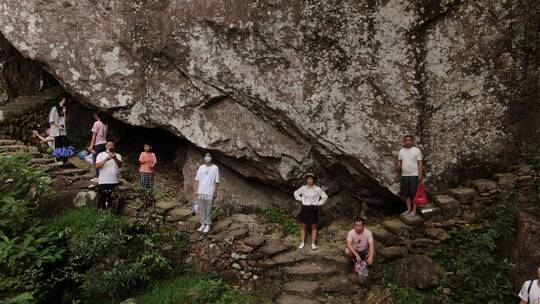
[(314, 233), (302, 232), (414, 208), (408, 202)]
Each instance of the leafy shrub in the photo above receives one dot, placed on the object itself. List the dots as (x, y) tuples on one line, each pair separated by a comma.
[(196, 289), (404, 295), (27, 250), (473, 258), (291, 227), (93, 234), (288, 223), (272, 215)]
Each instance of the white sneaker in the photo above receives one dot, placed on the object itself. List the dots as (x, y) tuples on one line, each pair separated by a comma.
[(313, 246), (301, 245), (201, 228), (206, 229), (412, 213), (405, 213)]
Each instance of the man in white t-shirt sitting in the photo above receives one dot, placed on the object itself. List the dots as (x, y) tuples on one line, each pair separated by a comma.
[(206, 186), (108, 163), (360, 243), (410, 162), (530, 292)]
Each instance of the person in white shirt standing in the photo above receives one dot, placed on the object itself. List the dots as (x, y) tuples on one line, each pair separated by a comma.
[(206, 187), (312, 197), (108, 163), (530, 292), (410, 162)]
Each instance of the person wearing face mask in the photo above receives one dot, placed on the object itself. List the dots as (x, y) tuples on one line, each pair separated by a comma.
[(205, 191), (108, 163)]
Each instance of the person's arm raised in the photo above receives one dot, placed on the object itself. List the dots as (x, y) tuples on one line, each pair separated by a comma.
[(100, 164), (117, 160)]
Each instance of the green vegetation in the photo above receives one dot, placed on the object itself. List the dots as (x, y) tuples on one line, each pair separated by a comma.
[(288, 223), (88, 255), (476, 272), (196, 289), (473, 257)]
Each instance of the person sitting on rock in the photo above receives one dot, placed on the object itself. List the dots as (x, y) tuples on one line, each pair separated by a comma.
[(206, 186), (108, 163), (360, 243), (410, 162), (46, 141), (530, 292), (312, 197)]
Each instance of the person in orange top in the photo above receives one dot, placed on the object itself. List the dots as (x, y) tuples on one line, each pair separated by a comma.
[(146, 170)]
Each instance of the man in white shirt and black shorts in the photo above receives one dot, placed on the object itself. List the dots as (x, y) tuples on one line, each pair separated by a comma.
[(530, 292), (108, 163), (410, 162)]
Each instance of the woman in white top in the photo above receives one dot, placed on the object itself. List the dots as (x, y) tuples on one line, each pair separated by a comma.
[(57, 122), (312, 197)]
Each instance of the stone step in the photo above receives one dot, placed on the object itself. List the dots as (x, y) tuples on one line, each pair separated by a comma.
[(394, 225), (308, 289), (178, 214), (286, 298), (41, 161), (464, 195), (485, 185), (70, 172), (305, 270), (14, 148), (446, 202), (416, 220), (382, 235), (9, 142), (272, 247), (393, 252), (324, 254), (163, 207), (35, 154), (506, 181)]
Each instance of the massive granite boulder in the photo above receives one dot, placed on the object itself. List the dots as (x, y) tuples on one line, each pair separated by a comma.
[(277, 87)]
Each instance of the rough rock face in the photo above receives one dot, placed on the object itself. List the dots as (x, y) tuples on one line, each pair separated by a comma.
[(525, 253), (279, 87), (416, 271)]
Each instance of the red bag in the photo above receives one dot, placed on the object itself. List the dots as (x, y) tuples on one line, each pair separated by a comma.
[(420, 198)]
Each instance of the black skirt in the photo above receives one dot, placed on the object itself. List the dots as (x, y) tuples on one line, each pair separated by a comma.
[(309, 215)]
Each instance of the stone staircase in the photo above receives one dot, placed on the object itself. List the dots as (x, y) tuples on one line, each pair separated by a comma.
[(248, 250), (251, 250)]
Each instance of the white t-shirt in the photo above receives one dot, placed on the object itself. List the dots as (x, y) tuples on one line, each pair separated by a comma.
[(207, 176), (108, 174), (310, 196), (54, 118), (410, 158), (534, 295)]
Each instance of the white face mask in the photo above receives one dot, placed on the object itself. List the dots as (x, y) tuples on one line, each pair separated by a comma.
[(207, 159)]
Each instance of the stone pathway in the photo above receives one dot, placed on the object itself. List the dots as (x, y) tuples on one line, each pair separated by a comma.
[(246, 249)]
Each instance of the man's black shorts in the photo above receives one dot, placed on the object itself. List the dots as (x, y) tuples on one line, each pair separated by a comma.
[(409, 184)]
